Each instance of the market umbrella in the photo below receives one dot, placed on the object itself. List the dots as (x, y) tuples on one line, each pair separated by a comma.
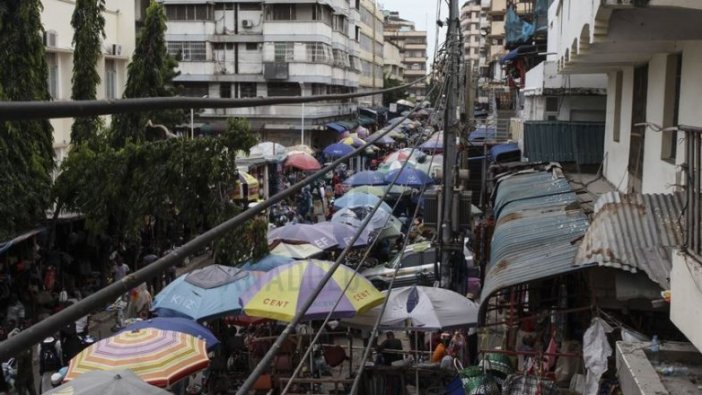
[(295, 251), (345, 234), (410, 177), (432, 165), (159, 357), (366, 177), (382, 222), (420, 308), (302, 161), (379, 139), (405, 154), (379, 191), (107, 382), (337, 150), (353, 141), (322, 235), (205, 293), (177, 324), (434, 143), (268, 150), (300, 148), (269, 262), (387, 167), (360, 199), (282, 291)]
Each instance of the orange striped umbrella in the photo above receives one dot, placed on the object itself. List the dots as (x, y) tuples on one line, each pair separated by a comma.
[(159, 357)]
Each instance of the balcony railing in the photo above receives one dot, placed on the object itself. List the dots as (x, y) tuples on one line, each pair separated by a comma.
[(276, 71)]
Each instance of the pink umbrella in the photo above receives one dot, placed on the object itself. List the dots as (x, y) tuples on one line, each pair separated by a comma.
[(302, 161)]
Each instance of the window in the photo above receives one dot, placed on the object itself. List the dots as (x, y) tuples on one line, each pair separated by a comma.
[(366, 17), (53, 76), (251, 46), (318, 53), (280, 12), (247, 89), (284, 52), (551, 104), (189, 12), (194, 89), (187, 50), (669, 148), (341, 24), (366, 43), (378, 49), (110, 79), (498, 18), (357, 35), (319, 89), (249, 6), (322, 13), (225, 90), (617, 97), (284, 89)]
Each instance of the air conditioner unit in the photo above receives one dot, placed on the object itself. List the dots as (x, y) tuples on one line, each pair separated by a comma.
[(50, 38), (247, 23)]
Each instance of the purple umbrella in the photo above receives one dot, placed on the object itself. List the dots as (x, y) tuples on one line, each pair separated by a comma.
[(366, 177), (344, 233), (323, 235)]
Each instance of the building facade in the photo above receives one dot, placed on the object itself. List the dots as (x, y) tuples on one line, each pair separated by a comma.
[(117, 48), (475, 27), (393, 68), (371, 41), (268, 48), (413, 46)]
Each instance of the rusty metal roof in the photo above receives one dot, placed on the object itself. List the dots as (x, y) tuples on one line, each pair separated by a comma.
[(634, 232), (536, 232)]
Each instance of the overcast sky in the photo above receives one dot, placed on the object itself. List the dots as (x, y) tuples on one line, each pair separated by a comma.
[(422, 13)]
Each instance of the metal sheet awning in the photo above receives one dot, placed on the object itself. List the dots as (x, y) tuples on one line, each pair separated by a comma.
[(634, 232)]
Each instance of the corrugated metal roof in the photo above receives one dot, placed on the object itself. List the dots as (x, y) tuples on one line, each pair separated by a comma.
[(536, 230), (634, 232), (559, 141)]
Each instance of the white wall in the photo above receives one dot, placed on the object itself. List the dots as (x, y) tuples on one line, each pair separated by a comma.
[(617, 153)]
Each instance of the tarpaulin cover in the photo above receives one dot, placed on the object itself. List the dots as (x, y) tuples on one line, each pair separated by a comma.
[(517, 30)]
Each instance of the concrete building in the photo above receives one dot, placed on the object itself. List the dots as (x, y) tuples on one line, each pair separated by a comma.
[(268, 48), (651, 53), (117, 48), (475, 25), (413, 46), (394, 68), (371, 41)]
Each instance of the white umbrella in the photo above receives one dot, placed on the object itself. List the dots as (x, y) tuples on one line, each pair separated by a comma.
[(296, 251), (269, 151), (421, 309)]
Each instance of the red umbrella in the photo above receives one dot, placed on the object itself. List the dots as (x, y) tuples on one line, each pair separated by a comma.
[(302, 161)]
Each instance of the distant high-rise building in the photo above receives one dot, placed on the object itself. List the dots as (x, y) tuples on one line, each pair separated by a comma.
[(413, 47), (394, 68), (370, 39)]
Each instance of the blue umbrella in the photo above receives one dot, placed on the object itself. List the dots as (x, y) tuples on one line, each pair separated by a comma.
[(435, 142), (359, 199), (206, 293), (176, 324), (337, 150), (409, 177), (268, 263), (366, 177)]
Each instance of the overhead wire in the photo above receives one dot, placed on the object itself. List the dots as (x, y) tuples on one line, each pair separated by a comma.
[(309, 349)]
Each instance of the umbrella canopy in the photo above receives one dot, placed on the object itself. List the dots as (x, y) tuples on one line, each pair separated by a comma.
[(205, 293), (302, 161), (295, 251), (435, 142), (267, 263), (360, 199), (159, 357), (300, 148), (353, 141), (366, 177), (361, 131), (282, 291), (323, 235), (379, 139), (246, 187), (432, 165), (337, 150), (177, 324), (345, 234), (410, 177), (269, 151), (421, 308), (377, 224), (379, 191), (107, 382), (387, 167), (404, 155)]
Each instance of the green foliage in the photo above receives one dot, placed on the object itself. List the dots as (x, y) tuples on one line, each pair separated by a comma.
[(150, 74), (26, 152), (89, 28), (392, 97), (175, 184)]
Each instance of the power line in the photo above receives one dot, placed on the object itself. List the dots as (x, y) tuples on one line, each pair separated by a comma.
[(26, 110)]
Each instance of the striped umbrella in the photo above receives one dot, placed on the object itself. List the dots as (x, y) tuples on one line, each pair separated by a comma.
[(159, 357)]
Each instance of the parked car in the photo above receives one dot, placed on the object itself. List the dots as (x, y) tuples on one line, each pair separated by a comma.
[(418, 265)]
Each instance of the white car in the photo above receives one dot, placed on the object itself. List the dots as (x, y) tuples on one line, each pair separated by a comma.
[(419, 261)]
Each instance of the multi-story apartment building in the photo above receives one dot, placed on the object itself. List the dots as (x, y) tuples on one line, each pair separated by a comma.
[(117, 48), (268, 48), (393, 68), (413, 46), (475, 27), (370, 38)]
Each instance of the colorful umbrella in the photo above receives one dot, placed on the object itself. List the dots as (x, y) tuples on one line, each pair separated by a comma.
[(246, 187), (345, 234), (302, 161), (269, 262), (281, 292), (360, 199), (366, 177), (421, 308), (159, 357), (410, 177), (177, 324), (337, 150), (354, 141), (295, 251), (107, 382), (205, 293)]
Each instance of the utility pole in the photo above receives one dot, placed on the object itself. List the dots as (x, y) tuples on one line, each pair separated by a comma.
[(450, 130)]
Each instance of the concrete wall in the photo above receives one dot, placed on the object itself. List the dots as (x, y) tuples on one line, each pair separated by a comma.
[(617, 153), (686, 302)]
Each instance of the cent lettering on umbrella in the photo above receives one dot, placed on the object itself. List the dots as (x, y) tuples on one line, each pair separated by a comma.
[(275, 302)]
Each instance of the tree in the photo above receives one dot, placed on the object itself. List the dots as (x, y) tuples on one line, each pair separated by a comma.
[(89, 28), (26, 152), (150, 74), (392, 97)]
